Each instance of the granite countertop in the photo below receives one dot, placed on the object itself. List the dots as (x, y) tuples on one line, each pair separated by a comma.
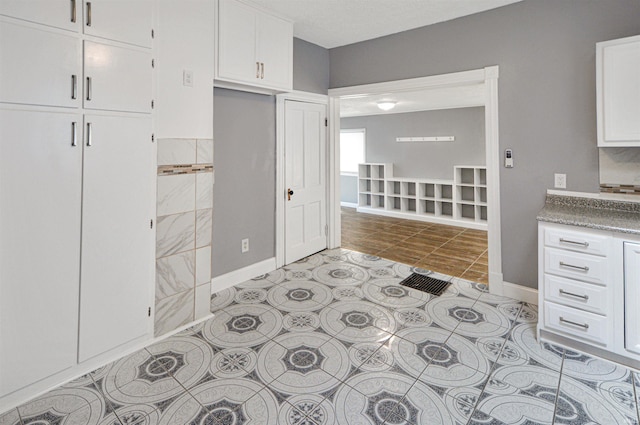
[(592, 212)]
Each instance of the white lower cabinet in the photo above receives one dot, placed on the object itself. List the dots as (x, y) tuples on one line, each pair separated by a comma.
[(117, 239), (40, 198), (632, 296), (589, 290)]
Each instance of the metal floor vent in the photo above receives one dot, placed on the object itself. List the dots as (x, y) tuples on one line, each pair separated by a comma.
[(426, 284)]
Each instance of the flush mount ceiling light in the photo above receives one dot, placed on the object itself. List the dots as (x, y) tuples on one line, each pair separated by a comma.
[(386, 105)]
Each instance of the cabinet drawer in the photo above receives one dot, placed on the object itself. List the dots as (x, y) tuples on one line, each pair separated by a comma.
[(577, 241), (581, 324), (574, 265), (585, 296)]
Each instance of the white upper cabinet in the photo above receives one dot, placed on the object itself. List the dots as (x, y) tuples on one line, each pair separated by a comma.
[(255, 49), (64, 14), (126, 21), (117, 78), (44, 68), (618, 91)]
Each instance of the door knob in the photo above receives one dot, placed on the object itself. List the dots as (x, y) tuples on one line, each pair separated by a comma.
[(289, 194)]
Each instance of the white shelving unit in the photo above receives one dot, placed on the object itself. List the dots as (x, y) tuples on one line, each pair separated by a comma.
[(459, 202), (371, 184), (471, 193)]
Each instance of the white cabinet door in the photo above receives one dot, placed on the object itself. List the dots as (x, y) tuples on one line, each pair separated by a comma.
[(632, 296), (117, 78), (43, 68), (40, 195), (237, 42), (126, 21), (65, 14), (275, 51), (117, 241), (619, 92)]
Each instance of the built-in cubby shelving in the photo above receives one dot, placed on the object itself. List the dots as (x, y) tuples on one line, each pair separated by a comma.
[(461, 201)]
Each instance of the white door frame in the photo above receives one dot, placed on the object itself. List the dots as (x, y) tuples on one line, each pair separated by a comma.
[(280, 168), (487, 76)]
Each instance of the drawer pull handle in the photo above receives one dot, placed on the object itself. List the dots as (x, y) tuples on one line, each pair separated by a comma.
[(571, 266), (584, 244), (584, 297), (584, 326)]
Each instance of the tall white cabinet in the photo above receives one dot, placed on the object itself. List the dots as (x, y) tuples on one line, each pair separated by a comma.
[(77, 187)]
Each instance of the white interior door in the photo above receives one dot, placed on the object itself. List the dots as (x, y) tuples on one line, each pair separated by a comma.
[(117, 241), (305, 179)]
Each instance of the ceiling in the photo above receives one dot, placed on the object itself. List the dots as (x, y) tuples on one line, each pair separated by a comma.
[(422, 100), (334, 23)]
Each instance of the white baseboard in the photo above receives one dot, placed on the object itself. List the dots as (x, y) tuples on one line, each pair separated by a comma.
[(349, 204), (520, 293), (227, 280)]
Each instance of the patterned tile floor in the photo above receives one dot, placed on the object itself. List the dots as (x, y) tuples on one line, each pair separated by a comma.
[(334, 339)]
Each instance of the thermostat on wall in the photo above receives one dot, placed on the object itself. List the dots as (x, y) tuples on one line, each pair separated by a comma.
[(508, 158)]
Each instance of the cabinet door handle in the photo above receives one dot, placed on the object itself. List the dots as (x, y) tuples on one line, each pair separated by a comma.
[(262, 70), (73, 11), (74, 86), (584, 297), (584, 244), (89, 135), (571, 266), (88, 13), (74, 134), (584, 326), (88, 88), (257, 69)]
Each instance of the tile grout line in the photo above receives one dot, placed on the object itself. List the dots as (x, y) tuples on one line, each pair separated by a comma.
[(555, 403)]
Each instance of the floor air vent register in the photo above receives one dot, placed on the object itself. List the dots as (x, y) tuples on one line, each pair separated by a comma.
[(426, 284)]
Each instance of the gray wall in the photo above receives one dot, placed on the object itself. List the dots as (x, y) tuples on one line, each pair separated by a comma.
[(349, 189), (244, 164), (244, 188), (310, 67), (546, 53), (433, 160)]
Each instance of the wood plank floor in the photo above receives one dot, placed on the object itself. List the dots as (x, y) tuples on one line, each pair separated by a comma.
[(456, 251)]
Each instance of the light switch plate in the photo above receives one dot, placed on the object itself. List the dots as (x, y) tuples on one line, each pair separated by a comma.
[(187, 78)]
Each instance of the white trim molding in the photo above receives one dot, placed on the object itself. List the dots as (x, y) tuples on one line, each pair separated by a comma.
[(488, 77), (520, 293), (349, 204), (299, 96), (230, 279)]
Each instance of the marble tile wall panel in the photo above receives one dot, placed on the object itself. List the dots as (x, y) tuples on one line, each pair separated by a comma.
[(176, 194), (175, 233), (204, 190), (176, 151), (203, 265), (204, 151), (204, 221), (174, 311), (175, 273), (202, 301), (620, 166)]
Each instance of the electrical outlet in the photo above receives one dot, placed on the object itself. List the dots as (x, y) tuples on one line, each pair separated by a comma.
[(560, 181), (245, 245), (187, 78)]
